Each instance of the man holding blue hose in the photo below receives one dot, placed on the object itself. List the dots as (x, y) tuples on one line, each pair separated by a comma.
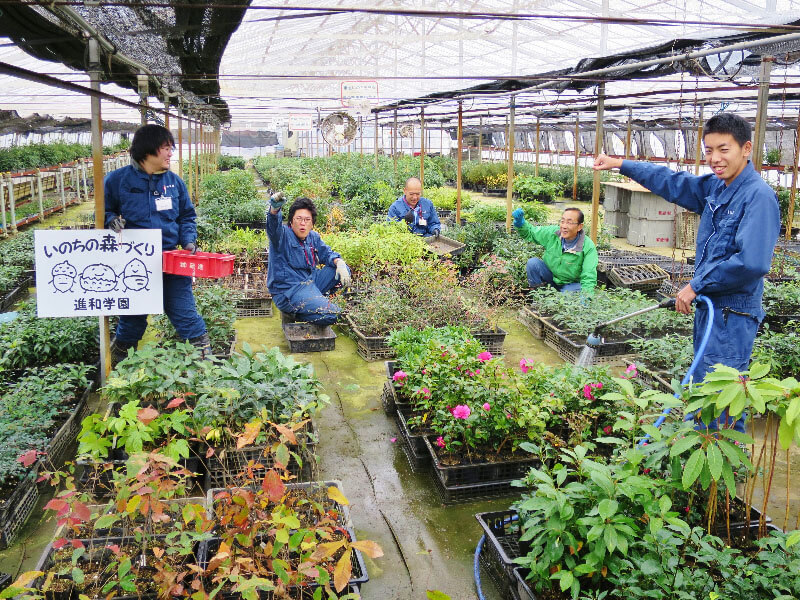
[(738, 229)]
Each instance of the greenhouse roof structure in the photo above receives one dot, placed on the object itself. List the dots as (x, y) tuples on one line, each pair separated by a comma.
[(248, 62)]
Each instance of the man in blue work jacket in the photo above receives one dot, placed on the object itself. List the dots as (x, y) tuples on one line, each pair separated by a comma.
[(147, 195), (418, 212), (739, 226), (302, 268)]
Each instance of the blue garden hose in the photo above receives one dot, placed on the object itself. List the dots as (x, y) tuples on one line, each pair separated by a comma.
[(697, 357)]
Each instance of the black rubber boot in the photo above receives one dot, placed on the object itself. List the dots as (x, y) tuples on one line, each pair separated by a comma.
[(119, 351), (203, 342)]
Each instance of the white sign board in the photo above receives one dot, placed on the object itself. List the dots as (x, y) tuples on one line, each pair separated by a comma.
[(356, 94), (96, 272), (301, 122)]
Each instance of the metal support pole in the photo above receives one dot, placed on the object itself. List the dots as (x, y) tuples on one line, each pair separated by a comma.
[(190, 181), (598, 147), (793, 192), (761, 115), (628, 135), (458, 164), (577, 154), (376, 140), (422, 147), (83, 175), (538, 143), (394, 145), (144, 92), (699, 142), (166, 111), (510, 183)]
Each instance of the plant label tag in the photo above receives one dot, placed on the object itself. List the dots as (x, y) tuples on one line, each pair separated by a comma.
[(423, 221), (164, 203)]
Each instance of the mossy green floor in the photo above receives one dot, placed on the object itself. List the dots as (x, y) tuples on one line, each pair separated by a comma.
[(426, 545)]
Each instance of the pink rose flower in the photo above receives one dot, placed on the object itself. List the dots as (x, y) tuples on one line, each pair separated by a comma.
[(484, 356), (477, 371), (587, 392), (440, 442), (631, 371), (461, 411), (524, 366), (425, 392), (607, 429), (424, 371), (400, 377), (486, 406)]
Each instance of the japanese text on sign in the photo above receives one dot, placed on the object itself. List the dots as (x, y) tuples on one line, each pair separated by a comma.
[(97, 272)]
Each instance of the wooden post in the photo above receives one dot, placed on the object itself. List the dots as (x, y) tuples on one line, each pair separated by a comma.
[(99, 197), (143, 84), (577, 154), (11, 202), (699, 142), (3, 202), (793, 192), (598, 147), (458, 165), (480, 140), (166, 110), (197, 160), (510, 184), (538, 142), (180, 140), (40, 192), (628, 135), (761, 115), (394, 145), (422, 147), (376, 140)]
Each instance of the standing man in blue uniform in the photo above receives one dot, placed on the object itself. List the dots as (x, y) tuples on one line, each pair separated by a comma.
[(296, 252), (739, 226), (418, 212), (147, 195)]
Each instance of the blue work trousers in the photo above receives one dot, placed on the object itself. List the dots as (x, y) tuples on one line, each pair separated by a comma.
[(309, 301), (180, 308), (539, 273), (730, 342)]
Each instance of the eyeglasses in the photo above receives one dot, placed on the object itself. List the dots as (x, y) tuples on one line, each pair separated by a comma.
[(566, 222), (303, 219)]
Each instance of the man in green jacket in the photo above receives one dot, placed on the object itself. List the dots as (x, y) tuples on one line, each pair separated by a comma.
[(570, 258)]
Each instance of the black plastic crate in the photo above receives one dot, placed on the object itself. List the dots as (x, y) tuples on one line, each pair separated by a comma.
[(470, 492), (388, 398), (66, 435), (17, 293), (414, 444), (521, 587), (311, 488), (645, 278), (569, 351), (358, 577), (533, 321), (501, 546), (492, 341), (18, 508), (306, 337), (253, 307), (480, 473)]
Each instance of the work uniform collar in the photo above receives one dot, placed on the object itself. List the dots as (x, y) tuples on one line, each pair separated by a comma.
[(578, 243)]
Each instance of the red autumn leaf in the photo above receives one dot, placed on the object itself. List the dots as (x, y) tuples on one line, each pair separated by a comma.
[(81, 511), (176, 402), (147, 415), (114, 548), (273, 486), (77, 544), (60, 543), (28, 458), (58, 505)]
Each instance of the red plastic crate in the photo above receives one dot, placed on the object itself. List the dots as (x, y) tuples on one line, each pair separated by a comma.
[(202, 264)]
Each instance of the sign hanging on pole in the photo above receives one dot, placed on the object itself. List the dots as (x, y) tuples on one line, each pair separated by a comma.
[(360, 95), (96, 272)]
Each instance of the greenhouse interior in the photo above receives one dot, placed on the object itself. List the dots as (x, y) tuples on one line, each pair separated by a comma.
[(399, 300)]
